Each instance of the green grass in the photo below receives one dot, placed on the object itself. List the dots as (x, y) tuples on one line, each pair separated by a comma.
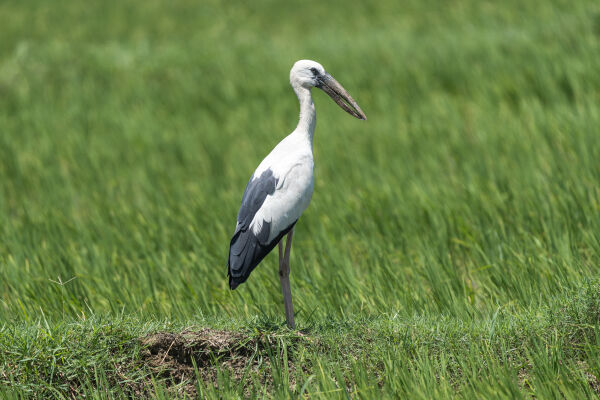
[(452, 245)]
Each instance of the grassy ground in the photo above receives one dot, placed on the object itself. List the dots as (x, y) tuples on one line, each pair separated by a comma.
[(451, 248)]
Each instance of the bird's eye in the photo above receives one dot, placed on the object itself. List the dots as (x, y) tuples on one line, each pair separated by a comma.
[(314, 71)]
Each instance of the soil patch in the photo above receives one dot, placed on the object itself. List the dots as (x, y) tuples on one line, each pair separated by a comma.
[(179, 359)]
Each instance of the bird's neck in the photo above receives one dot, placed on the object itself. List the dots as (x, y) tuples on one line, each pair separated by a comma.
[(308, 115)]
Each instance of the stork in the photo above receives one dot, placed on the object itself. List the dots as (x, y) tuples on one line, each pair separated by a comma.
[(281, 187)]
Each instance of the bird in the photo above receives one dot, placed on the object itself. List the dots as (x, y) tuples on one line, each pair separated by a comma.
[(281, 187)]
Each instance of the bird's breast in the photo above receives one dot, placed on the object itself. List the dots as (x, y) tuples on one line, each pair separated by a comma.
[(292, 195)]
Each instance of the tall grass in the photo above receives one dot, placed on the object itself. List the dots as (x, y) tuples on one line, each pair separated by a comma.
[(128, 132)]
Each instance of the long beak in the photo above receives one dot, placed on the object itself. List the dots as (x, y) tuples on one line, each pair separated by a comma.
[(337, 92)]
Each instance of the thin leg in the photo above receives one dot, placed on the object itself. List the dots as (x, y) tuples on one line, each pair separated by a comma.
[(280, 253), (284, 276)]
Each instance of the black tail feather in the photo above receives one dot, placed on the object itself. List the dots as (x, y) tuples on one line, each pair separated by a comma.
[(250, 253)]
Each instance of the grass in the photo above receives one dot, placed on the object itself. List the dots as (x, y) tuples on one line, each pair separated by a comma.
[(544, 353), (452, 245)]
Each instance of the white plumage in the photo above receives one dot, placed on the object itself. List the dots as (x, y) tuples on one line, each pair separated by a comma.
[(282, 185), (293, 167)]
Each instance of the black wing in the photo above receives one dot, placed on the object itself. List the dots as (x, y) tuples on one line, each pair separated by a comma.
[(246, 250)]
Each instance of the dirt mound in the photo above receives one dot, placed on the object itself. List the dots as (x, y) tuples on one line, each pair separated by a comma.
[(175, 357)]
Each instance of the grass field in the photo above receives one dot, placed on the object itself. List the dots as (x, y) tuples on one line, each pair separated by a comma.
[(451, 249)]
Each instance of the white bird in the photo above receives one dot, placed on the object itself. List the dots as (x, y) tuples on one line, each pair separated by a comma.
[(281, 187)]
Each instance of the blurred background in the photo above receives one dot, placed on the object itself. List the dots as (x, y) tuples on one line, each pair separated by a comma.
[(128, 131)]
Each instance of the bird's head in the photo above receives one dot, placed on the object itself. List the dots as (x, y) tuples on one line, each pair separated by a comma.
[(309, 74)]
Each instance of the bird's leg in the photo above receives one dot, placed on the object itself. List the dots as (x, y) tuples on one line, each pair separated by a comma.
[(284, 276), (280, 253)]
